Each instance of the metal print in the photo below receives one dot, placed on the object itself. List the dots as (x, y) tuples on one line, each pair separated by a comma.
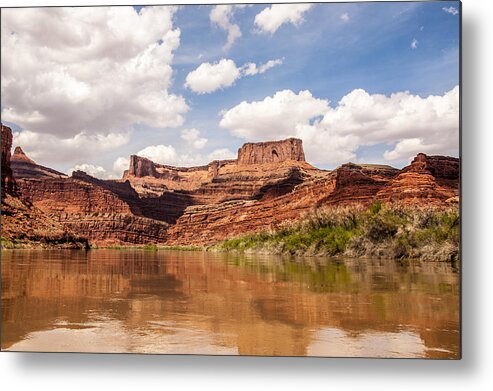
[(267, 179)]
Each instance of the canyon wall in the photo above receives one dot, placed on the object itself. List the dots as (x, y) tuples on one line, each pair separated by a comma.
[(26, 167), (271, 152), (8, 184), (22, 222), (430, 179), (270, 183)]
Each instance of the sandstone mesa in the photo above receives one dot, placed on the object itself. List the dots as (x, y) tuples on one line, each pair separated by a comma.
[(269, 183)]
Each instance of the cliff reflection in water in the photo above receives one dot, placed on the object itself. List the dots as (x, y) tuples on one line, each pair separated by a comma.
[(195, 302)]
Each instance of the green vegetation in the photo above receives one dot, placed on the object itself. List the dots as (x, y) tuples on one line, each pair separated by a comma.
[(150, 247), (7, 243), (382, 231)]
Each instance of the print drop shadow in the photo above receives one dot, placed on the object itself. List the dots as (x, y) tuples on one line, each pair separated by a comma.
[(282, 366)]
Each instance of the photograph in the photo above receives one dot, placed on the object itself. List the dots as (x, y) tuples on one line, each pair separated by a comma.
[(268, 179)]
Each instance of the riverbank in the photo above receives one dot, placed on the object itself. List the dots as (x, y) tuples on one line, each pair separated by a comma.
[(379, 231)]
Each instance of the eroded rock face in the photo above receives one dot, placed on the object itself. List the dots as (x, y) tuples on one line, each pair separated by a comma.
[(104, 212), (430, 179), (271, 152), (348, 184), (8, 184), (22, 222), (20, 156), (162, 204), (24, 167)]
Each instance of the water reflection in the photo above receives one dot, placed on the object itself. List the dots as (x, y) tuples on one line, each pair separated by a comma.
[(194, 302)]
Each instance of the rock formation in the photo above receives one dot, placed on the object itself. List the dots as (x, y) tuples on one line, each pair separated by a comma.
[(24, 223), (431, 179), (24, 167), (8, 184), (271, 152), (269, 184)]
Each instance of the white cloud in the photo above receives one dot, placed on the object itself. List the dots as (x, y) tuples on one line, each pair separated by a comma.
[(78, 72), (221, 154), (95, 171), (221, 16), (121, 164), (332, 135), (414, 44), (451, 10), (209, 77), (409, 147), (193, 139), (167, 154), (273, 17), (344, 17), (162, 154), (275, 117), (50, 149), (251, 68)]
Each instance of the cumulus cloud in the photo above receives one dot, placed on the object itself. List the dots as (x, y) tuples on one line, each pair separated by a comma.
[(121, 164), (344, 17), (273, 17), (332, 135), (414, 44), (410, 147), (167, 154), (50, 149), (162, 154), (209, 77), (251, 68), (221, 16), (275, 117), (193, 139), (221, 154), (95, 171), (73, 73), (451, 10)]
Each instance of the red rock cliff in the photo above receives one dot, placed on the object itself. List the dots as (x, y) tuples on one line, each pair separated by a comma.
[(23, 223), (431, 179), (267, 185), (8, 184), (271, 152)]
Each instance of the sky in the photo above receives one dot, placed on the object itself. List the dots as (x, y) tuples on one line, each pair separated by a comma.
[(85, 88)]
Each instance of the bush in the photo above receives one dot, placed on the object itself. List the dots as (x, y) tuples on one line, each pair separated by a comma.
[(381, 230)]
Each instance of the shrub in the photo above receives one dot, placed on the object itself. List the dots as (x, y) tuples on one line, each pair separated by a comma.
[(381, 230)]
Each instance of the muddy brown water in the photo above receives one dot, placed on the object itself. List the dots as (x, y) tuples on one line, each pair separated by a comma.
[(213, 303)]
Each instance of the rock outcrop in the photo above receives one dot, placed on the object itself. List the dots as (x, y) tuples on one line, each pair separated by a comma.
[(270, 183), (23, 224), (8, 185), (271, 152), (348, 184), (24, 167), (430, 179)]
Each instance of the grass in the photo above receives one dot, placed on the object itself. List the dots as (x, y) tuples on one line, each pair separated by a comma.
[(150, 247), (6, 243), (380, 230)]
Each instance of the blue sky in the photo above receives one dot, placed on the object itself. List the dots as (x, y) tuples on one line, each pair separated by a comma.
[(337, 48)]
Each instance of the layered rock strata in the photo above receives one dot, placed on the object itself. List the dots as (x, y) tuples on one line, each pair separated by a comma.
[(430, 179), (8, 184), (271, 152), (25, 167), (23, 224), (270, 183)]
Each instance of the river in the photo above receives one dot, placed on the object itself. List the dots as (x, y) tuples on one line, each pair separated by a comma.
[(192, 302)]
